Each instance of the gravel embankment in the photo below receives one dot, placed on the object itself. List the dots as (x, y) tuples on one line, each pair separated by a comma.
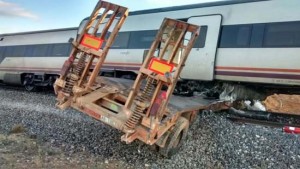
[(213, 141)]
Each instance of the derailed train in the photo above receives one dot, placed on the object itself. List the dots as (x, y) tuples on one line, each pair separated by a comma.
[(241, 41)]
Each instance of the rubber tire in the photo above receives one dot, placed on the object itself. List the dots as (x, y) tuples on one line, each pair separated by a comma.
[(178, 132)]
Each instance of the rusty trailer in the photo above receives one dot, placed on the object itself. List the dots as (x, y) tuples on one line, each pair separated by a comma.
[(144, 109)]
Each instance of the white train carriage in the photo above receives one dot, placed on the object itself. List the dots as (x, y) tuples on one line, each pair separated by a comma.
[(34, 57), (240, 40), (255, 41)]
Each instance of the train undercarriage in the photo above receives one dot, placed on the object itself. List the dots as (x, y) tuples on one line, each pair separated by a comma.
[(31, 81), (217, 89), (227, 90)]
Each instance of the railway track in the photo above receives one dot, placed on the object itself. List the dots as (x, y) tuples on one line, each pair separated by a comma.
[(288, 123), (261, 122)]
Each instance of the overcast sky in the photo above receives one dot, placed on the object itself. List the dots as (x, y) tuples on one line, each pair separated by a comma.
[(31, 15)]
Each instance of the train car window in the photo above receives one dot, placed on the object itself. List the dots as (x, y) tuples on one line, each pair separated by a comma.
[(200, 42), (235, 36), (8, 51), (29, 50), (183, 19), (40, 50), (106, 38), (16, 51), (19, 51), (257, 35), (121, 41), (141, 39), (62, 49), (2, 53), (282, 35), (2, 48)]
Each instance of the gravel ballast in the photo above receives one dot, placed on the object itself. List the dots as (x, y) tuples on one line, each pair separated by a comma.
[(213, 141)]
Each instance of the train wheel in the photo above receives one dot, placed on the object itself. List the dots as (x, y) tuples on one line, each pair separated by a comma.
[(176, 138), (30, 87)]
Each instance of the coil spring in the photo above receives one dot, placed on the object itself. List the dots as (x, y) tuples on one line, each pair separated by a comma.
[(68, 86), (138, 110), (70, 80), (80, 65)]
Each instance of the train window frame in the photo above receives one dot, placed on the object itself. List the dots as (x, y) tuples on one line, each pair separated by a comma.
[(257, 35), (66, 49), (282, 39), (229, 31), (2, 50), (29, 50), (125, 42), (136, 37), (45, 52), (201, 40), (19, 51), (8, 51)]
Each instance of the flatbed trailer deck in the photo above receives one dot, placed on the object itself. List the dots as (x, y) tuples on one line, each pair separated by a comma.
[(120, 88)]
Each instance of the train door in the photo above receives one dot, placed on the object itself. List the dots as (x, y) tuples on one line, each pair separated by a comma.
[(201, 61)]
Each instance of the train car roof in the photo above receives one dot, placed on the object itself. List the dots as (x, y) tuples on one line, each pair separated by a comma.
[(40, 31), (156, 10), (191, 6)]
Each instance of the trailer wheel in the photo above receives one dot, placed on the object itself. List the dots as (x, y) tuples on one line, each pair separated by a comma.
[(176, 138)]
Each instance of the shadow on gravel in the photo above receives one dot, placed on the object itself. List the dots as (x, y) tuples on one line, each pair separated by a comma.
[(41, 90)]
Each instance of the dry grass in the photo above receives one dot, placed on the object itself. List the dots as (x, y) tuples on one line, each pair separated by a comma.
[(17, 129), (20, 151)]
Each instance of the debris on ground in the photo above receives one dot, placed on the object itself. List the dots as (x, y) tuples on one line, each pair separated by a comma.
[(283, 103)]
